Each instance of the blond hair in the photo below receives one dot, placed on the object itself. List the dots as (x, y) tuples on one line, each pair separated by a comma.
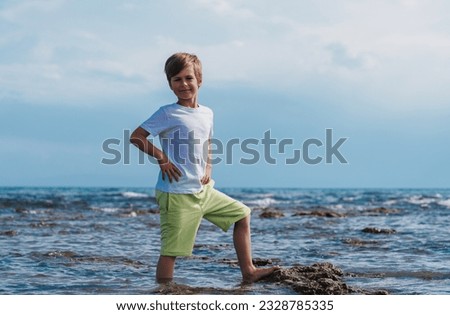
[(181, 60)]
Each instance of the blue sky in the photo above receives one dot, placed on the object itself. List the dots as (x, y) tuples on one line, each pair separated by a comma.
[(76, 73)]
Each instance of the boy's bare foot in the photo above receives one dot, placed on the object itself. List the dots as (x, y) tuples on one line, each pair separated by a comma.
[(258, 274)]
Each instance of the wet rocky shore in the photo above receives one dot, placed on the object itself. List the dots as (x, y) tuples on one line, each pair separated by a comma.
[(106, 241), (316, 279)]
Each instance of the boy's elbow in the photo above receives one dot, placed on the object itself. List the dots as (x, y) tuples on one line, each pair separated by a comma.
[(138, 137), (135, 138)]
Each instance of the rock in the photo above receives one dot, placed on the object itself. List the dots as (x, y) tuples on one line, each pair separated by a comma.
[(172, 288), (358, 242), (321, 213), (177, 289), (264, 262), (267, 214), (265, 208), (153, 211), (231, 262), (64, 254), (378, 231), (21, 210), (258, 262), (317, 279), (42, 224), (213, 246), (381, 210), (9, 233)]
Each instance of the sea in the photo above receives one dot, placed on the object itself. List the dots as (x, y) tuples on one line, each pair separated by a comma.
[(92, 241)]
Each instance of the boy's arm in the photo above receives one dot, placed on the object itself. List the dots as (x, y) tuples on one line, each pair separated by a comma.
[(207, 177), (139, 139)]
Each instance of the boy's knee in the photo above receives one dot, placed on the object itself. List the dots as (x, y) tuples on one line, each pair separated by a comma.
[(243, 222)]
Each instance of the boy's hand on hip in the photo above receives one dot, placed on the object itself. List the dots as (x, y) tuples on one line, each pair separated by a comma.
[(207, 177), (169, 169), (205, 180)]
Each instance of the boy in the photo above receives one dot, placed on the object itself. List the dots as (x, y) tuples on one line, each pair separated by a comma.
[(184, 190)]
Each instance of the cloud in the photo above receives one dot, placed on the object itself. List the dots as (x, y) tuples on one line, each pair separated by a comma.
[(227, 8), (341, 56), (20, 8), (387, 48)]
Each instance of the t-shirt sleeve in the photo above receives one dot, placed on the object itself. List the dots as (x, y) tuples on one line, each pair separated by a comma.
[(156, 123)]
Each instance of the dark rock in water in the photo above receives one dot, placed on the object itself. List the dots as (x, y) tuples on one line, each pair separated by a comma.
[(381, 210), (71, 258), (321, 213), (258, 262), (358, 242), (323, 278), (172, 288), (267, 214), (176, 289), (21, 210), (264, 262), (42, 224), (65, 254), (9, 233), (266, 208), (378, 231), (325, 212), (231, 262), (213, 246), (317, 279), (196, 257)]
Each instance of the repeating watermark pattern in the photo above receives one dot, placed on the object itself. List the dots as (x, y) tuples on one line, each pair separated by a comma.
[(268, 149)]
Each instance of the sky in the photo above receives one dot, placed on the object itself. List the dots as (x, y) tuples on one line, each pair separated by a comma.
[(77, 76)]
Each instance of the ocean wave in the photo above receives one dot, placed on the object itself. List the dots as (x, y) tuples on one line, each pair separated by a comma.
[(132, 194), (421, 200), (106, 209), (87, 240), (261, 203), (445, 203)]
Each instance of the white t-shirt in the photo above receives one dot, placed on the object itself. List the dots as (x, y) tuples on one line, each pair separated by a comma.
[(183, 133)]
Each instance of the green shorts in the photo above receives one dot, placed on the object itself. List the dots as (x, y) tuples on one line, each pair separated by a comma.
[(181, 214)]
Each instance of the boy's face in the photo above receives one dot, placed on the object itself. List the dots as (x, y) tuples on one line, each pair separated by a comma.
[(185, 84)]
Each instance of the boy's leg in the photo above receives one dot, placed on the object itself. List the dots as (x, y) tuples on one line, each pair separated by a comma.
[(178, 230), (243, 246), (164, 270)]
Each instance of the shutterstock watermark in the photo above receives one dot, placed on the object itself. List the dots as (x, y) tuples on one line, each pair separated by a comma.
[(248, 151)]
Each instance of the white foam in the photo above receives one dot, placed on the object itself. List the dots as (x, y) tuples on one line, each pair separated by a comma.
[(419, 200), (263, 203), (445, 203), (106, 209), (132, 194), (390, 202)]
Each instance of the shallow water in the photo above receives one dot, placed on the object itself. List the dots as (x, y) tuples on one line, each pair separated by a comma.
[(106, 240)]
